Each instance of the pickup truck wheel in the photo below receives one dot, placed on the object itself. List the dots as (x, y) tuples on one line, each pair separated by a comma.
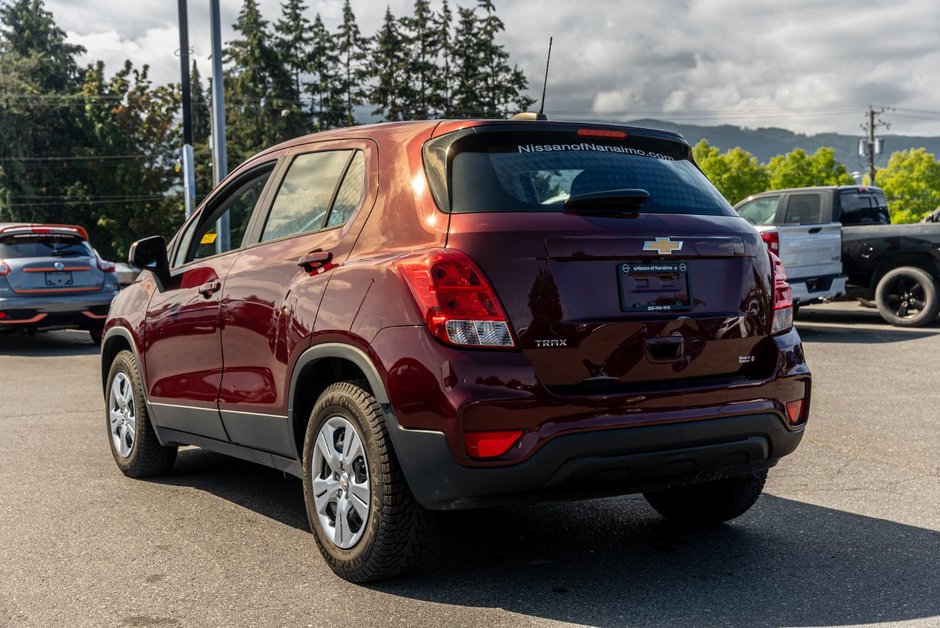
[(907, 297), (709, 503), (366, 522)]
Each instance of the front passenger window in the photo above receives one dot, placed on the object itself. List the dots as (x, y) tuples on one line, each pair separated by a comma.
[(222, 228)]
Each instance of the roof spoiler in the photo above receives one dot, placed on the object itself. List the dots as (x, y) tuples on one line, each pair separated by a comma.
[(73, 230)]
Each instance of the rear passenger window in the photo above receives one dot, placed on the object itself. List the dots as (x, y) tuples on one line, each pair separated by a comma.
[(303, 201), (864, 207), (760, 211), (350, 193), (803, 209)]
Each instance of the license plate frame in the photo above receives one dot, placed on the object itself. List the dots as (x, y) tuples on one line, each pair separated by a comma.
[(59, 279), (654, 286)]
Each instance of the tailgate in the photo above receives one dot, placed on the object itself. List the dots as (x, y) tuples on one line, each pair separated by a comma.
[(811, 250)]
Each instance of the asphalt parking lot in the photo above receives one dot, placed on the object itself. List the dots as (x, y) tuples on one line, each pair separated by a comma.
[(848, 531)]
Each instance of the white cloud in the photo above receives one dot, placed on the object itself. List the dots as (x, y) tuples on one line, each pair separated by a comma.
[(802, 64)]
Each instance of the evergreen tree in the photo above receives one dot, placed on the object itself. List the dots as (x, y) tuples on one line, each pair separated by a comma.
[(353, 51), (391, 93), (503, 86), (466, 67), (420, 71), (441, 82), (293, 40), (261, 109), (294, 43), (326, 104)]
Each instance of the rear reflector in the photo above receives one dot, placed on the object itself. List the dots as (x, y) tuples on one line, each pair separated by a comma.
[(795, 410), (457, 302), (490, 444), (3, 315)]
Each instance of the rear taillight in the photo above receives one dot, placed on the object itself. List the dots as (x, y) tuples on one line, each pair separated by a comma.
[(783, 297), (105, 267), (4, 268), (772, 240), (457, 302)]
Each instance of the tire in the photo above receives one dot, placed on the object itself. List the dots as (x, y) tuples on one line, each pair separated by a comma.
[(907, 297), (709, 503), (136, 451), (380, 539), (96, 334)]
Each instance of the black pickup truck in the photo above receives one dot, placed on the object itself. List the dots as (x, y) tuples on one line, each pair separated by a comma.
[(895, 266)]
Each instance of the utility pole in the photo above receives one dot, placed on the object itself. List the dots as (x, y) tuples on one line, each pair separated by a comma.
[(189, 174), (871, 147), (219, 162)]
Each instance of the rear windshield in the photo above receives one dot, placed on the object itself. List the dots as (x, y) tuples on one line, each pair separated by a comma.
[(864, 207), (29, 245), (536, 171)]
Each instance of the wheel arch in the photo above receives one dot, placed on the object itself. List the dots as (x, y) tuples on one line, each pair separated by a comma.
[(116, 339), (316, 369), (923, 261)]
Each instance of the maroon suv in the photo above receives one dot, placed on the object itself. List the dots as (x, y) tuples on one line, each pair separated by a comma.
[(457, 314)]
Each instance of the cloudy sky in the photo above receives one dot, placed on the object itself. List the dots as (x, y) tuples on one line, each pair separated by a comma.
[(807, 65)]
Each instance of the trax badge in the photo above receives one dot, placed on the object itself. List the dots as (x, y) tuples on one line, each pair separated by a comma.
[(551, 343), (663, 246)]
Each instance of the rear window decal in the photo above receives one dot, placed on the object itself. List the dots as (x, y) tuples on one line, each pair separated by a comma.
[(586, 146)]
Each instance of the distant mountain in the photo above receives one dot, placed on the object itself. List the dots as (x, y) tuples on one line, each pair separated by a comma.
[(770, 141)]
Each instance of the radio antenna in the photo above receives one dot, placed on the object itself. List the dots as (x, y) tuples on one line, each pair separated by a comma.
[(541, 115)]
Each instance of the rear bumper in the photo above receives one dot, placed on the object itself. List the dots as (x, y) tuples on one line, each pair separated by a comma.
[(580, 445), (591, 464), (808, 289), (85, 310)]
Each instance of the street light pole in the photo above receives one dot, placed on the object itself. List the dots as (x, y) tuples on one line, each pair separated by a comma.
[(219, 162), (189, 174)]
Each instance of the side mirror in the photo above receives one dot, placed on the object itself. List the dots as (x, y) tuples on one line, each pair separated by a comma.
[(150, 253)]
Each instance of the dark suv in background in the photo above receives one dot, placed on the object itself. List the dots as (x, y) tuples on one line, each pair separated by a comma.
[(52, 278), (457, 314)]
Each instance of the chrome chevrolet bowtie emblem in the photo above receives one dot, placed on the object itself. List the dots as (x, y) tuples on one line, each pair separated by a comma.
[(59, 265), (663, 246)]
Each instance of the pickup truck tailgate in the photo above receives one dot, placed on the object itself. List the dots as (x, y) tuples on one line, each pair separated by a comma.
[(811, 250)]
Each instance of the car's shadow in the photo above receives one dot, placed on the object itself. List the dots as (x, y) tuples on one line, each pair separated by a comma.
[(855, 325), (614, 562), (53, 344)]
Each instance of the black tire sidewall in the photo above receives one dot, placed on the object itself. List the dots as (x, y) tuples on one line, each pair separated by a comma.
[(931, 303)]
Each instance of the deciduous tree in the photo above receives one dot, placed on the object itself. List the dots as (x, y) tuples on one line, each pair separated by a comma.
[(911, 183)]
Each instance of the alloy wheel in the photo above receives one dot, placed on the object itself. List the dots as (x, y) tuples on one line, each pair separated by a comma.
[(906, 297)]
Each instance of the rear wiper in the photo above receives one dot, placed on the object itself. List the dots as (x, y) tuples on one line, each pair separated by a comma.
[(627, 201)]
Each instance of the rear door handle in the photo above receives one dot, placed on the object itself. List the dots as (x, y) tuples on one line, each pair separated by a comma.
[(209, 288), (314, 260), (815, 230)]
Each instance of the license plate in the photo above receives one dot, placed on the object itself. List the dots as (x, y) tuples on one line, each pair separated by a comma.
[(57, 280), (654, 286)]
